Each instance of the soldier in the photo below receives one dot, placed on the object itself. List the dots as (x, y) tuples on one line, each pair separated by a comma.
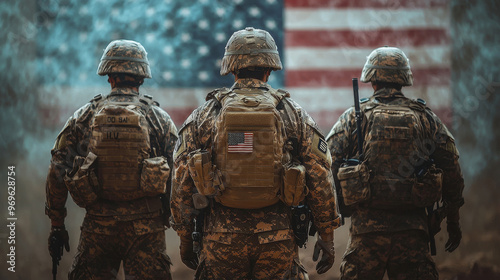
[(408, 162), (243, 158), (114, 156)]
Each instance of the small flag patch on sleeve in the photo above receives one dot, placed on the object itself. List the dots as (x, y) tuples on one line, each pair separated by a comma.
[(322, 146), (240, 142)]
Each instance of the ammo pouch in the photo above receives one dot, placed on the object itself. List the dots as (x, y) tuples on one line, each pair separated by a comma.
[(82, 180), (154, 176), (206, 177), (354, 181), (427, 188), (294, 184), (409, 193)]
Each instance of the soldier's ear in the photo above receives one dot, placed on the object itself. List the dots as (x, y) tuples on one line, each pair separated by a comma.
[(266, 75)]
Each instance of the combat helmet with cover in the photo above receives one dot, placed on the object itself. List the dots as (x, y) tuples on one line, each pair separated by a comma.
[(125, 56), (387, 65), (249, 48)]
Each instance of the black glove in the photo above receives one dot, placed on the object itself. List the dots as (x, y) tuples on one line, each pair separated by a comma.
[(58, 239), (188, 256), (328, 257), (454, 236)]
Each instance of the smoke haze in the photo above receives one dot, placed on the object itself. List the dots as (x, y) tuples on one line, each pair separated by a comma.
[(35, 80)]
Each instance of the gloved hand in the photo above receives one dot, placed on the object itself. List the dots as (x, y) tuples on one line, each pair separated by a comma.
[(188, 256), (328, 257), (58, 239), (454, 236)]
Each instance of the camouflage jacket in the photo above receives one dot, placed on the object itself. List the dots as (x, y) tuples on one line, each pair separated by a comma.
[(342, 141), (73, 141), (270, 222)]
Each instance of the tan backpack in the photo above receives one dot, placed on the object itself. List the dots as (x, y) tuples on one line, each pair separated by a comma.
[(120, 139), (249, 138)]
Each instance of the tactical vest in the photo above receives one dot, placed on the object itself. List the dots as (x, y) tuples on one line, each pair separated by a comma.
[(120, 139), (395, 146), (249, 138)]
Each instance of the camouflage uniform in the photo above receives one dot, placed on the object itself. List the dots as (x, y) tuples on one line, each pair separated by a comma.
[(394, 240), (250, 243), (114, 231)]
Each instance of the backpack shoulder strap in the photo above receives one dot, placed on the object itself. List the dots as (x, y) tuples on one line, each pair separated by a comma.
[(367, 105), (217, 94), (417, 104), (279, 95)]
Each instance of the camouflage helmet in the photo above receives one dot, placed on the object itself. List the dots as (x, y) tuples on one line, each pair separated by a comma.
[(250, 47), (389, 65), (125, 56)]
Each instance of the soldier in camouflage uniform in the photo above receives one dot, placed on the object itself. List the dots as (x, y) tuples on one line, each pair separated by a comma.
[(130, 229), (394, 239), (251, 243)]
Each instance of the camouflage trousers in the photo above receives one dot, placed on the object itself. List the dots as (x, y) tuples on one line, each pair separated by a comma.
[(242, 256), (404, 255), (144, 256)]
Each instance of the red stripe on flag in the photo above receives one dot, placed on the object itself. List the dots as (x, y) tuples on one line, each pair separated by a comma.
[(366, 38), (343, 77), (245, 147), (179, 114), (386, 4)]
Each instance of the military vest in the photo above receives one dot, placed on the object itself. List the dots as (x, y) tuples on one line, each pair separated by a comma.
[(120, 139)]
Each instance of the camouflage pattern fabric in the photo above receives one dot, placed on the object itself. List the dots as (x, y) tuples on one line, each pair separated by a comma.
[(388, 65), (372, 224), (99, 255), (267, 224), (342, 141), (255, 258), (144, 215), (243, 47), (404, 255), (124, 56)]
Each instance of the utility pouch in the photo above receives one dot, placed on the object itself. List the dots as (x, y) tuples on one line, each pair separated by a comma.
[(154, 176), (205, 176), (294, 187), (82, 182), (354, 178), (427, 188)]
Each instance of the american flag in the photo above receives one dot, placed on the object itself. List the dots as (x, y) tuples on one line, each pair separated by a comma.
[(327, 42), (239, 142), (323, 45)]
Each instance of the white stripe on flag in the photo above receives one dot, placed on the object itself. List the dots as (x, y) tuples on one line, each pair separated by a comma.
[(350, 57), (245, 147), (342, 98), (364, 19)]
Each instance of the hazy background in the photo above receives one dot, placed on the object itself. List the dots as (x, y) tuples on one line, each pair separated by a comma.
[(34, 107)]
